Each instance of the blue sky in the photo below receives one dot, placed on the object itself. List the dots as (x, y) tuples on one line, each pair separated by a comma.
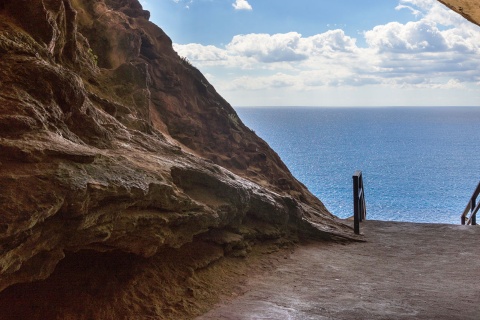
[(327, 53)]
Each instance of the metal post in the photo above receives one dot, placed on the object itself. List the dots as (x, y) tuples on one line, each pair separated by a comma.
[(356, 211), (470, 209), (360, 197)]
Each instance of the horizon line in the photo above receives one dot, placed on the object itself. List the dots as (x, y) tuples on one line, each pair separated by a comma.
[(351, 106)]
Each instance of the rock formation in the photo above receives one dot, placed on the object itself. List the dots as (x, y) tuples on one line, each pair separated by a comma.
[(115, 149)]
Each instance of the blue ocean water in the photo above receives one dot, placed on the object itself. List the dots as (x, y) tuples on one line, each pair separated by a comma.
[(419, 164)]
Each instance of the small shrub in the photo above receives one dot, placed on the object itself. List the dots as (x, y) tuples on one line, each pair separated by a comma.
[(186, 62), (93, 56), (234, 118)]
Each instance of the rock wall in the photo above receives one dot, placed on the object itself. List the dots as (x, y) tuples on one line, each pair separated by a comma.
[(112, 144)]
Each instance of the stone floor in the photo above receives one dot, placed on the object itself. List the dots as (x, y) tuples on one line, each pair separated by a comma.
[(402, 271)]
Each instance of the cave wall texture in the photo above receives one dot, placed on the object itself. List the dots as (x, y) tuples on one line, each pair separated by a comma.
[(116, 151)]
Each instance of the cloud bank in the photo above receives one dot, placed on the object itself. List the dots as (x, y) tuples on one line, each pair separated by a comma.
[(438, 50)]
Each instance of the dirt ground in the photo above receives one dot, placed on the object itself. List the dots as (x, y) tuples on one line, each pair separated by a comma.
[(402, 271)]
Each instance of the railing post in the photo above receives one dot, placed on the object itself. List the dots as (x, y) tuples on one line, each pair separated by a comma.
[(359, 206), (361, 192), (356, 211), (471, 209)]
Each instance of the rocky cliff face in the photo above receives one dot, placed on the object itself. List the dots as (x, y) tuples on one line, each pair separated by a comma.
[(113, 149)]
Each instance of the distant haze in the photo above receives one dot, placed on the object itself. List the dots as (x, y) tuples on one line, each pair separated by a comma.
[(327, 53)]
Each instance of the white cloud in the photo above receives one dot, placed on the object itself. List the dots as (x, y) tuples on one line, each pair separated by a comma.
[(330, 41), (276, 49), (433, 10), (242, 5), (278, 80), (199, 53), (268, 48), (414, 11), (437, 51), (419, 36)]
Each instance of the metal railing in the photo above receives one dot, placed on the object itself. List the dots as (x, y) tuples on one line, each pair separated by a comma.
[(359, 206), (472, 209)]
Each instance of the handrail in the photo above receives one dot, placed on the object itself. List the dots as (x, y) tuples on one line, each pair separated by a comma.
[(359, 206), (472, 208)]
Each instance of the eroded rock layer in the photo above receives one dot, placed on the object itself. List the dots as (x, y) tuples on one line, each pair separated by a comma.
[(111, 143)]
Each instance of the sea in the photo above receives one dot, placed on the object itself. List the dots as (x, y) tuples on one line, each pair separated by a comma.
[(419, 164)]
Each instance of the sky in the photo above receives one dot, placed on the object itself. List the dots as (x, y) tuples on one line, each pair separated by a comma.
[(327, 53)]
